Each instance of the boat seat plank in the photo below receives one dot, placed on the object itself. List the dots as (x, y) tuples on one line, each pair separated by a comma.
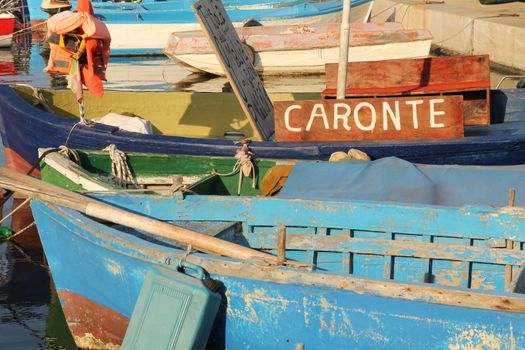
[(391, 247), (405, 258)]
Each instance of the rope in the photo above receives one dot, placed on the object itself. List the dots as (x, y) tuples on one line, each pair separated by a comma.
[(15, 210), (69, 153), (21, 231), (119, 166), (244, 166), (30, 27), (189, 250)]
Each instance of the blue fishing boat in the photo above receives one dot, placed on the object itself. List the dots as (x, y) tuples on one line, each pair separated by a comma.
[(354, 274), (207, 129), (144, 28)]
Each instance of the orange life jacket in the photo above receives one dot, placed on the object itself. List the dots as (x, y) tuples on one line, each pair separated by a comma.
[(83, 37)]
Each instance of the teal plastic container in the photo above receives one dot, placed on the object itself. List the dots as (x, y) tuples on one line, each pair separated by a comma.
[(175, 310)]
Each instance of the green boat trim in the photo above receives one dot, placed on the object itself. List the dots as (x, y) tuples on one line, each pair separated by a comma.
[(155, 172)]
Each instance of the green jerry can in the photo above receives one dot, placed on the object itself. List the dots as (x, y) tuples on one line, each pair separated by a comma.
[(174, 310)]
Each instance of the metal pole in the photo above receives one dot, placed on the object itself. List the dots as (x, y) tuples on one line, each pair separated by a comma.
[(343, 50)]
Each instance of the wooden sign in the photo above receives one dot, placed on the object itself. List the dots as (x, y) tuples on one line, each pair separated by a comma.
[(414, 117), (239, 69), (465, 75)]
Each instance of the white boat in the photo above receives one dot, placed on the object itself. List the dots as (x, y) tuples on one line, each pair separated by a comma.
[(7, 27), (302, 49)]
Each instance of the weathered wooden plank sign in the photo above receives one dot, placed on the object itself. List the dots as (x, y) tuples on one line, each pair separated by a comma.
[(239, 69), (414, 117), (465, 75)]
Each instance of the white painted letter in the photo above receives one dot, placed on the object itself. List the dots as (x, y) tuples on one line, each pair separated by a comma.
[(318, 111), (414, 111), (343, 117), (434, 113), (287, 118), (396, 118), (373, 116)]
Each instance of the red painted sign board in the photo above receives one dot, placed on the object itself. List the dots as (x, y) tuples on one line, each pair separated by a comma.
[(392, 118)]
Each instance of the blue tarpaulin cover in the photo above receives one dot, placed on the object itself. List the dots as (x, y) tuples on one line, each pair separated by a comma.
[(393, 179)]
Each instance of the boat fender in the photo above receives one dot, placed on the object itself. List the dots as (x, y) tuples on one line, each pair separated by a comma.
[(252, 23), (352, 153)]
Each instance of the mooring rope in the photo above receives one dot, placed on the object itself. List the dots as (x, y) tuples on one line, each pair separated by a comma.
[(244, 166), (25, 29), (69, 153), (119, 166), (15, 210), (21, 231)]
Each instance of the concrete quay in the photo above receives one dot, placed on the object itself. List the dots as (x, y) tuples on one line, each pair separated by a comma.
[(464, 26)]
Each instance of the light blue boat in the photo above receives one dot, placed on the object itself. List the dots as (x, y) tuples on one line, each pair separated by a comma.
[(144, 28), (380, 274)]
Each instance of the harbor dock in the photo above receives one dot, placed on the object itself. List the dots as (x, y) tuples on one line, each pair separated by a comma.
[(464, 26)]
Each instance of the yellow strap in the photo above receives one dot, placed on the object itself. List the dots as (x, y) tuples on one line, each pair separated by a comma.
[(61, 41), (81, 48)]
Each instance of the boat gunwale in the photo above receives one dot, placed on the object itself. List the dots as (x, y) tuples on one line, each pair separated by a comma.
[(200, 46)]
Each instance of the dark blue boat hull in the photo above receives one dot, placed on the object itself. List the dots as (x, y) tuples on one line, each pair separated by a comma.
[(24, 129)]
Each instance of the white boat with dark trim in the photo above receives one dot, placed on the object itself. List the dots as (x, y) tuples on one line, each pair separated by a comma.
[(302, 49)]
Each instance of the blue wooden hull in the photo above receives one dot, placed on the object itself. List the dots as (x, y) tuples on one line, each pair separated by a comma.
[(156, 5), (172, 14), (98, 272), (24, 129)]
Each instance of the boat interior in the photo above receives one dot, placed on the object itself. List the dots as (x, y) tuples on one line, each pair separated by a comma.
[(191, 114), (165, 174), (352, 241)]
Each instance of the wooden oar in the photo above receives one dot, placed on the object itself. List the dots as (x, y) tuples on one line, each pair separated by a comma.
[(44, 191)]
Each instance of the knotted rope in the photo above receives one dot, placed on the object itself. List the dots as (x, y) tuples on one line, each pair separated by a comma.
[(244, 166), (119, 166), (69, 153)]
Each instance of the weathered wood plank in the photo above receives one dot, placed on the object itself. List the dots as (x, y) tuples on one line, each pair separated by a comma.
[(448, 73), (437, 251), (468, 75), (239, 69), (369, 119)]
